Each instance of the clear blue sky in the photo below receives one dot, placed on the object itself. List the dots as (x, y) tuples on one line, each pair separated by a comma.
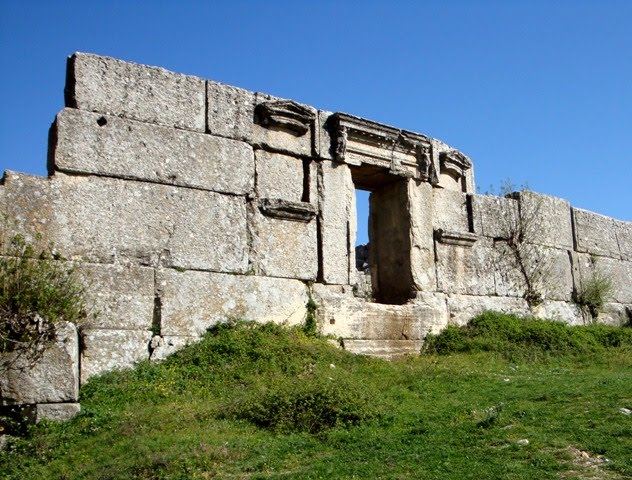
[(538, 91)]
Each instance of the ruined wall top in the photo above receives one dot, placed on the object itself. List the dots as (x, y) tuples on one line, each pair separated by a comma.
[(156, 96)]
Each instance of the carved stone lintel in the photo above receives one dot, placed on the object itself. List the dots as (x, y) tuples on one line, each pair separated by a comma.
[(286, 210), (286, 114), (463, 239), (454, 163)]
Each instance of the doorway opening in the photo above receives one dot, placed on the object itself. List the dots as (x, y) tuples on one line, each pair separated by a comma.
[(383, 263)]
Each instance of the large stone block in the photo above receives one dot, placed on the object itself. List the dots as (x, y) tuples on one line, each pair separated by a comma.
[(27, 201), (467, 270), (106, 350), (385, 349), (111, 146), (278, 138), (52, 378), (283, 247), (462, 308), (56, 412), (337, 222), (494, 217), (422, 255), (323, 135), (342, 315), (231, 111), (108, 220), (548, 270), (121, 296), (566, 312), (617, 272), (545, 220), (125, 89), (284, 177), (623, 231), (195, 301), (595, 233), (450, 211)]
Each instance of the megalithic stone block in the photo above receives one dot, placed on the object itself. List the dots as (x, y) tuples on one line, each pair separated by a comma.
[(138, 92), (117, 147)]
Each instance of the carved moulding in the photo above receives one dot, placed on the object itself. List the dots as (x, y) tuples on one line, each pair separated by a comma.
[(454, 163), (286, 210), (463, 239), (286, 115), (358, 141)]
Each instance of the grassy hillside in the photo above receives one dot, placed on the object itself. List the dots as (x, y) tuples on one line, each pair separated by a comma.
[(268, 402)]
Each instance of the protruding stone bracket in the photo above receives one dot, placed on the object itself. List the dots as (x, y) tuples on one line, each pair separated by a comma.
[(454, 163), (358, 141), (463, 239), (286, 210), (286, 115)]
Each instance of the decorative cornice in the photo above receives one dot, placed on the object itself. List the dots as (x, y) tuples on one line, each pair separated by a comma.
[(286, 114), (403, 153), (463, 239), (455, 163), (286, 210)]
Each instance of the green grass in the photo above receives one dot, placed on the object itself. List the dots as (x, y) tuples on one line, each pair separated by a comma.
[(255, 402)]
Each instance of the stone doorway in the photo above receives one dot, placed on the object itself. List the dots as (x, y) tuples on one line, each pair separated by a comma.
[(389, 235)]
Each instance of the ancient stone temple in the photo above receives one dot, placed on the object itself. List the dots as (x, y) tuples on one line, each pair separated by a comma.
[(186, 202)]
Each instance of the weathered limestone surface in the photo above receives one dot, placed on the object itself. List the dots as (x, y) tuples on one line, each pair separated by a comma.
[(342, 315), (566, 312), (125, 89), (422, 255), (618, 272), (121, 296), (28, 201), (337, 222), (467, 270), (57, 412), (547, 219), (616, 314), (624, 239), (462, 308), (285, 177), (386, 349), (595, 233), (279, 139), (231, 111), (106, 220), (52, 378), (449, 210), (105, 350), (549, 270), (112, 146), (284, 248), (324, 139), (194, 301), (494, 216)]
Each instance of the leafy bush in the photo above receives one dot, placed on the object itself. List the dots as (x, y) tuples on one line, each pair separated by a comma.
[(37, 291), (514, 337), (312, 405), (594, 292)]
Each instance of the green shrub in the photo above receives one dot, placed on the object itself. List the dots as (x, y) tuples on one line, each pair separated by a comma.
[(310, 405), (594, 292), (37, 291), (514, 337)]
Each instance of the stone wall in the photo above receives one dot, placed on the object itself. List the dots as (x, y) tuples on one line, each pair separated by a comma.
[(186, 202)]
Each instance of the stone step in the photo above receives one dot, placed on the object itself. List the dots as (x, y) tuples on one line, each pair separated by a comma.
[(386, 349)]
